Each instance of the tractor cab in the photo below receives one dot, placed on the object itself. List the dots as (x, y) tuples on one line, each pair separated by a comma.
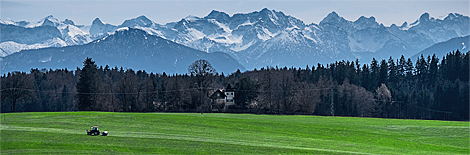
[(93, 131)]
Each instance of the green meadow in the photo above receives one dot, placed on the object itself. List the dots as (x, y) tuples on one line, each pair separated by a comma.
[(216, 133)]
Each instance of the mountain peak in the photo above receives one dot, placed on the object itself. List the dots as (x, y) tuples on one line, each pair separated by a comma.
[(218, 15), (362, 19), (364, 22), (452, 16), (124, 33), (50, 21), (143, 17), (191, 18), (265, 10), (69, 22), (332, 18), (97, 21), (139, 21), (424, 17), (405, 24), (276, 17), (268, 11), (332, 14), (99, 26)]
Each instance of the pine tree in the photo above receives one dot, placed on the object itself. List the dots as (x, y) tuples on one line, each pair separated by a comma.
[(421, 69), (87, 85), (401, 68), (393, 71), (383, 72), (365, 77), (374, 75), (433, 70), (409, 69)]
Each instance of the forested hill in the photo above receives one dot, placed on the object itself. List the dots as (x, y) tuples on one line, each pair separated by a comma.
[(428, 88), (128, 47)]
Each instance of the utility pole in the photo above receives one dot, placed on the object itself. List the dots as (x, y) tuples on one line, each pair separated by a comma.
[(332, 103), (269, 90), (201, 100)]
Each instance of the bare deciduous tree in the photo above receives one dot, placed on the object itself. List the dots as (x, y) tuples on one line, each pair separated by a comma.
[(384, 98), (16, 87), (201, 68), (203, 72)]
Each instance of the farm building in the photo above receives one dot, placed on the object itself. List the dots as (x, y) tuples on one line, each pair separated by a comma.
[(222, 98)]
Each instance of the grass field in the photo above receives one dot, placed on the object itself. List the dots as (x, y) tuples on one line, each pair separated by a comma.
[(195, 133)]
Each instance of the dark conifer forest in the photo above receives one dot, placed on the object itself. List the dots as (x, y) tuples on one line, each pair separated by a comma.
[(426, 88)]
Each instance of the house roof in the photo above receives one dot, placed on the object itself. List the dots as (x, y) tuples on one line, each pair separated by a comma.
[(229, 88), (218, 94)]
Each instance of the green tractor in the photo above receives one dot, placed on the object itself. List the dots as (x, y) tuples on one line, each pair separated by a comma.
[(94, 131)]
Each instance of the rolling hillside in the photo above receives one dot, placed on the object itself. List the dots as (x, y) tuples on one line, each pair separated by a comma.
[(183, 133)]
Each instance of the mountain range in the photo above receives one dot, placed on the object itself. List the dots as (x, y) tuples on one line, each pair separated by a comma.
[(126, 47), (256, 39)]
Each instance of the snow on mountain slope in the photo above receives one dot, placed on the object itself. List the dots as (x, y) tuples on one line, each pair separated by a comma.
[(141, 21), (237, 33), (288, 48), (47, 21), (454, 25), (72, 35), (7, 22), (72, 31), (364, 23), (269, 37), (98, 27), (126, 47), (48, 32), (367, 39), (10, 47)]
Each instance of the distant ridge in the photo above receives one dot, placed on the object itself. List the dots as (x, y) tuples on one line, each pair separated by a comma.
[(127, 47), (441, 49)]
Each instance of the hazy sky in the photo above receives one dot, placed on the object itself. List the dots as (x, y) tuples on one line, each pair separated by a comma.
[(163, 11)]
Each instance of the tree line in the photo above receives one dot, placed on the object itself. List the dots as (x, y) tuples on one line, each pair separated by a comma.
[(427, 88)]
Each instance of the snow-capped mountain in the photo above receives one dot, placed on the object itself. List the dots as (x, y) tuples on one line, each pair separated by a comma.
[(366, 38), (269, 37), (141, 21), (48, 32), (126, 47), (98, 27)]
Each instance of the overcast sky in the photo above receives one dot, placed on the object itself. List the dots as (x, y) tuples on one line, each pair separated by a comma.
[(163, 11)]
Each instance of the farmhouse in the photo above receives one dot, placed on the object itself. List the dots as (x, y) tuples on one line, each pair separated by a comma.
[(222, 98)]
